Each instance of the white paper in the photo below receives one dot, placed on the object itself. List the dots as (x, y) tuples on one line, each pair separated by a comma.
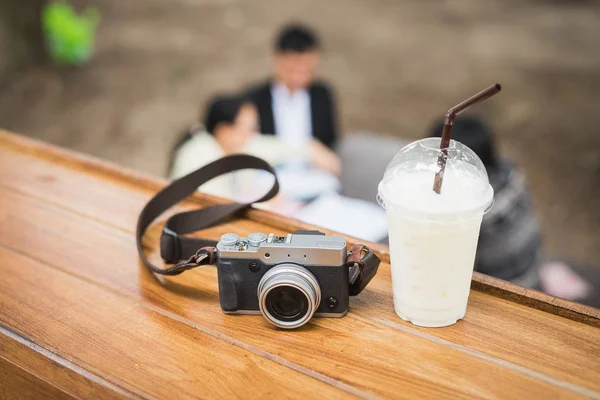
[(353, 217)]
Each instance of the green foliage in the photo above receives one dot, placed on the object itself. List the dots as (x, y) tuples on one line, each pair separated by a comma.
[(69, 36)]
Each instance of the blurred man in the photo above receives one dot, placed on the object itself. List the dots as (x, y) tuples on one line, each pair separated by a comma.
[(292, 105)]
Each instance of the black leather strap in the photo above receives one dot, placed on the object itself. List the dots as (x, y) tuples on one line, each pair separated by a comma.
[(173, 245)]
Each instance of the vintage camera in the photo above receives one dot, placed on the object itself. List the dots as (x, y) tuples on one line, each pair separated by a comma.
[(287, 279)]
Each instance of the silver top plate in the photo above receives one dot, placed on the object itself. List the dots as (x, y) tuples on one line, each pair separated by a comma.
[(301, 249)]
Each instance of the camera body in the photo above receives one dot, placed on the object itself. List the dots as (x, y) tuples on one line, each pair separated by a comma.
[(286, 278)]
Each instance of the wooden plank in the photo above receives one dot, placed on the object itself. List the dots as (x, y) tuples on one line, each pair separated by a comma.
[(93, 170), (358, 349), (525, 336), (53, 368), (535, 299), (17, 383), (133, 347)]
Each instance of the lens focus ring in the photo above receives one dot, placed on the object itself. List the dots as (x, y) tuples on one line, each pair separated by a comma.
[(288, 295)]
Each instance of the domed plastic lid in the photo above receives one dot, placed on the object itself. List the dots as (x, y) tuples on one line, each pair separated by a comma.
[(407, 183)]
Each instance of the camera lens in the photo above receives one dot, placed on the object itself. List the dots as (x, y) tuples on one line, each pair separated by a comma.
[(288, 295), (287, 303)]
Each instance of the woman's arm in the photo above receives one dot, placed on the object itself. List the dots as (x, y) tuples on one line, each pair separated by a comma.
[(275, 152)]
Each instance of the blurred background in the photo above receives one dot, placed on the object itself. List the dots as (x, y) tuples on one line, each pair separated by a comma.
[(394, 66)]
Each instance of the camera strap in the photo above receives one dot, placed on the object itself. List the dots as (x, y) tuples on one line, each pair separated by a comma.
[(175, 246)]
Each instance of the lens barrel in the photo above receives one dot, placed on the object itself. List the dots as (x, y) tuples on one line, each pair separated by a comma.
[(288, 295)]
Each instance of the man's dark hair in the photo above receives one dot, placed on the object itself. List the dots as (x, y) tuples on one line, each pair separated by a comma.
[(473, 133), (296, 38)]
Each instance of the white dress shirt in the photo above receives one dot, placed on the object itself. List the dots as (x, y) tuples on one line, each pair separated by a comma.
[(291, 114)]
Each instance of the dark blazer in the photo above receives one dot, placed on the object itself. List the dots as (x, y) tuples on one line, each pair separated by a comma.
[(322, 109)]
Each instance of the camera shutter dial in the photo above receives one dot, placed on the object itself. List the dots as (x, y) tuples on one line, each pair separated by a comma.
[(229, 239), (255, 239)]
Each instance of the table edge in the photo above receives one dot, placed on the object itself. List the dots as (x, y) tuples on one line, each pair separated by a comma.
[(480, 282)]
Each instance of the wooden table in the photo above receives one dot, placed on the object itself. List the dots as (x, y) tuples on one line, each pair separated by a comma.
[(79, 315)]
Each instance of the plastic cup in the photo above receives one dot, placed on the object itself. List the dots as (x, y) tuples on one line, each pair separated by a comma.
[(433, 237)]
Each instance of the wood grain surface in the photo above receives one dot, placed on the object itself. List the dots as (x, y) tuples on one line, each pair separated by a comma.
[(17, 383), (81, 317)]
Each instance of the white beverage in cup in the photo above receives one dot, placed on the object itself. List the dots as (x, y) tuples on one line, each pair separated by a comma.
[(433, 237)]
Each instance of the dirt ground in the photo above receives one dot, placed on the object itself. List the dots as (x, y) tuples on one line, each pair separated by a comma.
[(396, 65)]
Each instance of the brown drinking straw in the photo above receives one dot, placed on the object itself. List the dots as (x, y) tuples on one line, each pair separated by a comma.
[(451, 114)]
